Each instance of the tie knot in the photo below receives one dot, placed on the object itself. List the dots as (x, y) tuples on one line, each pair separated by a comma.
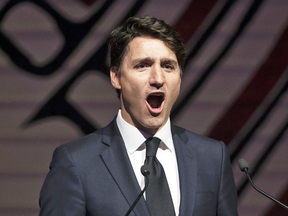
[(152, 144)]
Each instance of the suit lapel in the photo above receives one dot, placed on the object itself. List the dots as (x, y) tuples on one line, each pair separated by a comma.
[(117, 162), (187, 168)]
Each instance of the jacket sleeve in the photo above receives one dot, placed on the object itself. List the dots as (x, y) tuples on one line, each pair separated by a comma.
[(62, 192), (227, 200)]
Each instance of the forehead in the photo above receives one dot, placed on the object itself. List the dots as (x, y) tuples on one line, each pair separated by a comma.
[(142, 47)]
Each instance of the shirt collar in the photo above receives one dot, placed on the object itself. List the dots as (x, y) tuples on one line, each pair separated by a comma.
[(134, 138)]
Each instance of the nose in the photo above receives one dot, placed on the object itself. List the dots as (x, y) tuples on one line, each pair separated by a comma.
[(157, 78)]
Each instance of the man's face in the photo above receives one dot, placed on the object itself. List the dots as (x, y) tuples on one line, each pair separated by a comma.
[(149, 83)]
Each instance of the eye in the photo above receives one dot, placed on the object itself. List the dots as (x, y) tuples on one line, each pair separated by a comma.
[(141, 66), (168, 67)]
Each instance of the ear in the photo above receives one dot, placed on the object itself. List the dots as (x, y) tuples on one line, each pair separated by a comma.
[(114, 77)]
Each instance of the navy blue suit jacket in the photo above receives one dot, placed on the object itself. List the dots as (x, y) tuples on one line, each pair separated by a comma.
[(93, 176)]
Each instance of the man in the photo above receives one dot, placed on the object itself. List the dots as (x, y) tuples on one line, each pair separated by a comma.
[(99, 174)]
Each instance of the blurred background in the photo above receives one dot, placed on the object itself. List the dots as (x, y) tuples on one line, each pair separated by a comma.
[(55, 87)]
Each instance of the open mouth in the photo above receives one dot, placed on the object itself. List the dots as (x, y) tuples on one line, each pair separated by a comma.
[(155, 102)]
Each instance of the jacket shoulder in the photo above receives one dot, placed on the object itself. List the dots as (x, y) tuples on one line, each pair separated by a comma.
[(202, 144), (189, 135), (95, 142)]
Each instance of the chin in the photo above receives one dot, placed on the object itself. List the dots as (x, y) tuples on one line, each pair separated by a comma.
[(155, 124)]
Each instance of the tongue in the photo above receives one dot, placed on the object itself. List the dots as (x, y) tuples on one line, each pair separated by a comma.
[(154, 101)]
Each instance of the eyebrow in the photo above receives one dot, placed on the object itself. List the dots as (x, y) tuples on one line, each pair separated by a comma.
[(138, 60), (169, 61), (148, 59)]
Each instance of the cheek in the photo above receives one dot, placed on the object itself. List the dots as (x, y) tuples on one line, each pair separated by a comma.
[(137, 86), (174, 92), (176, 87), (132, 90)]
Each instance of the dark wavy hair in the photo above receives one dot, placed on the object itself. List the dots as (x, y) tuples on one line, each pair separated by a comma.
[(145, 26)]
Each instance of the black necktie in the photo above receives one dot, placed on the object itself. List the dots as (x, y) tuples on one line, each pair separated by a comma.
[(158, 197)]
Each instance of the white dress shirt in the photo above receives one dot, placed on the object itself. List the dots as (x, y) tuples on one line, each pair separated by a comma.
[(134, 140)]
